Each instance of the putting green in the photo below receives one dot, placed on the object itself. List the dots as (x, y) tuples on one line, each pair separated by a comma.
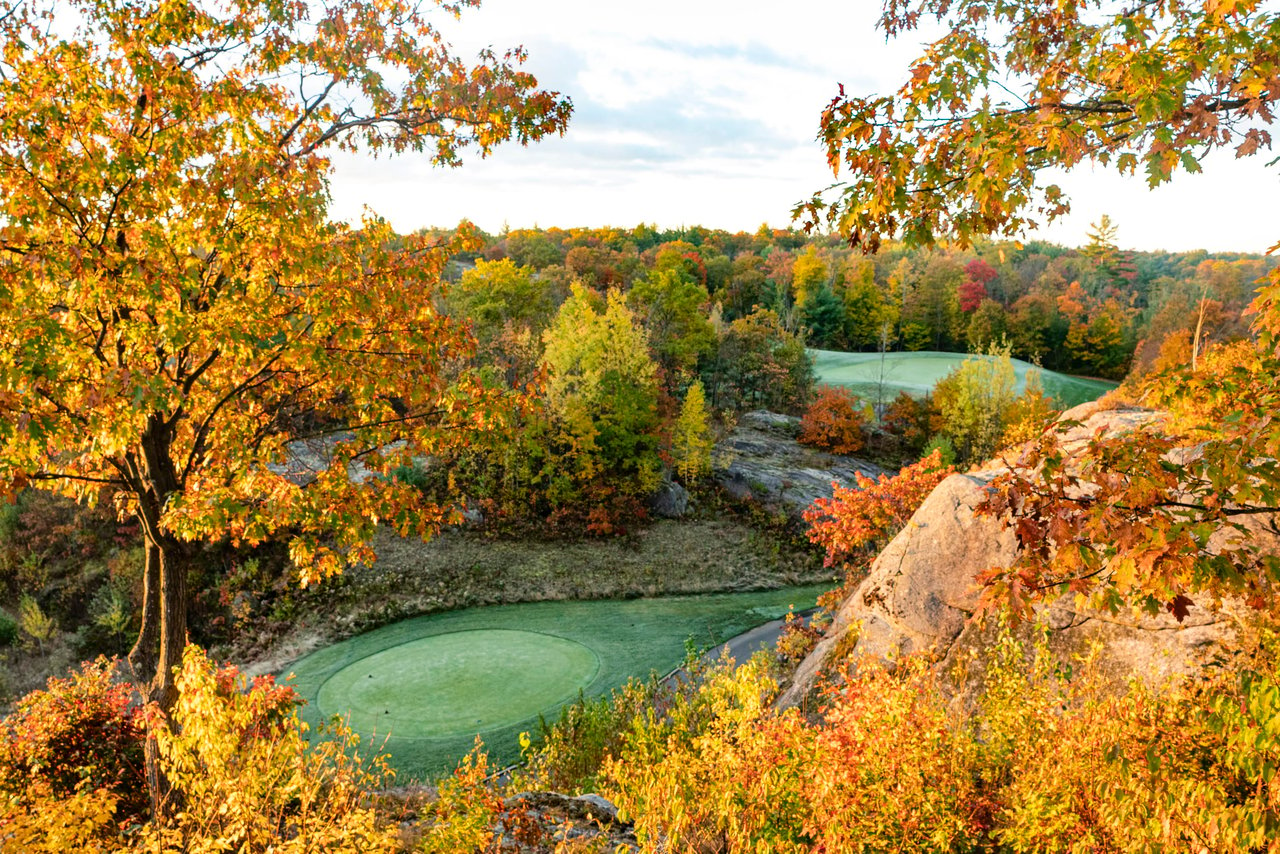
[(444, 685), (422, 689)]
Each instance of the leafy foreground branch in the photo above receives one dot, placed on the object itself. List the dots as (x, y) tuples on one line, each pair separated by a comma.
[(1183, 508)]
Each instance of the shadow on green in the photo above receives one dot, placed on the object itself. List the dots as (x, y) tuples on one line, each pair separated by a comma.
[(427, 686)]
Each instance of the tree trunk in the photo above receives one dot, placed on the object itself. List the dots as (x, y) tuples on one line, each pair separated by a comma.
[(163, 634), (142, 658), (1195, 338), (166, 641)]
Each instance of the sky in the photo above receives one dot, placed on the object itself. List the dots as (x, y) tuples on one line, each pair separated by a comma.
[(705, 112)]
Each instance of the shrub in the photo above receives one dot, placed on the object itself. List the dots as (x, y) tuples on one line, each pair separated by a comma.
[(834, 421), (943, 447), (1083, 769), (798, 639), (46, 823), (696, 773), (239, 763), (241, 774), (974, 400), (8, 630), (855, 523), (110, 624), (1030, 413), (34, 622), (78, 735), (906, 419), (464, 816), (888, 771), (566, 756), (1053, 757)]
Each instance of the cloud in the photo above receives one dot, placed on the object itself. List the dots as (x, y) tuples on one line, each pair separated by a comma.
[(706, 112)]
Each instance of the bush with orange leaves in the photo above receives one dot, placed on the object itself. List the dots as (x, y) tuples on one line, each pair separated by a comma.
[(891, 769), (856, 522), (834, 421), (1050, 758), (241, 774)]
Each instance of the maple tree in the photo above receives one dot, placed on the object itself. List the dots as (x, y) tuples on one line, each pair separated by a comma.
[(834, 421), (177, 306), (978, 274), (856, 521), (1011, 89)]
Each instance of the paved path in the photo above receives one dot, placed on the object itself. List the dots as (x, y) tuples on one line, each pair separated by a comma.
[(748, 643)]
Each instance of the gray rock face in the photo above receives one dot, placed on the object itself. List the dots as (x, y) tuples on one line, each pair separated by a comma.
[(306, 458), (761, 460), (671, 501), (920, 593)]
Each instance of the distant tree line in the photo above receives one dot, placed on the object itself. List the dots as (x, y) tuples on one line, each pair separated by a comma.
[(1095, 311)]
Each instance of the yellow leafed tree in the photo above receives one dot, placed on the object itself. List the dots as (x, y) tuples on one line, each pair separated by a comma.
[(692, 440), (177, 309)]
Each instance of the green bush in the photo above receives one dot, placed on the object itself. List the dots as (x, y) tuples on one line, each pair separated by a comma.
[(567, 755), (944, 447), (8, 630)]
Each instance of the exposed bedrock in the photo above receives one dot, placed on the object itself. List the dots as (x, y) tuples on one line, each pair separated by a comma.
[(921, 592), (762, 461)]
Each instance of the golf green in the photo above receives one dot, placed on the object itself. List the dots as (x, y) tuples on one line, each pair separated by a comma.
[(422, 689), (441, 686)]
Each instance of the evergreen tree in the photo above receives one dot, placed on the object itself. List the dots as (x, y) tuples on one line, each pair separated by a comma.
[(823, 316)]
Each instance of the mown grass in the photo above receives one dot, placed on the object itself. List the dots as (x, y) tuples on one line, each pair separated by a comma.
[(918, 373), (463, 569), (631, 638)]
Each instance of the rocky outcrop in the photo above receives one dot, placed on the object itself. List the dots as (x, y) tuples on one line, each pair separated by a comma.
[(920, 593), (671, 501), (762, 461)]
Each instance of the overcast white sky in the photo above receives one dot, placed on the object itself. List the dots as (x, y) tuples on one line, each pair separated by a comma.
[(705, 112)]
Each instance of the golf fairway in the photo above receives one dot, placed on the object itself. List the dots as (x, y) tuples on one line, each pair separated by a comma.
[(870, 376)]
